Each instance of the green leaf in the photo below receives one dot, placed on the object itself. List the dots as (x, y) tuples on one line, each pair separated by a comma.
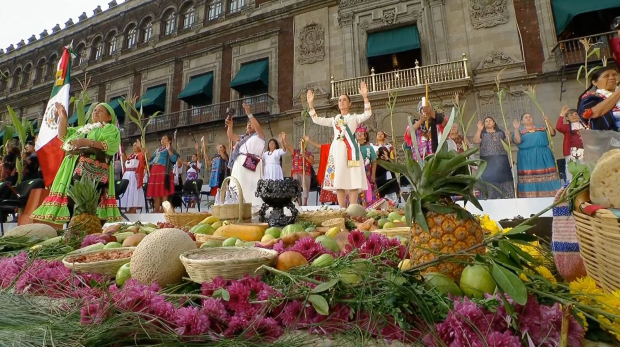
[(473, 116), (438, 208), (414, 142), (320, 304), (579, 73), (222, 293), (521, 253), (522, 237), (409, 211), (593, 69), (420, 219), (503, 258), (510, 283), (325, 286), (596, 51), (518, 229)]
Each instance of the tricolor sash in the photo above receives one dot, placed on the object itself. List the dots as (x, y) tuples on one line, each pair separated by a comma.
[(353, 149)]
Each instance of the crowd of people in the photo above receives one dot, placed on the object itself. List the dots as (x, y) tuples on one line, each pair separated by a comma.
[(348, 169)]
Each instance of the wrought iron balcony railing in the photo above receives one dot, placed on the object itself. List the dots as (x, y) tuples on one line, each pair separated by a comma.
[(572, 52), (414, 77), (261, 104)]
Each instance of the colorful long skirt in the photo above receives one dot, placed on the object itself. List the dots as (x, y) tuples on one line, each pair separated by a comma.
[(157, 186), (538, 176), (371, 194)]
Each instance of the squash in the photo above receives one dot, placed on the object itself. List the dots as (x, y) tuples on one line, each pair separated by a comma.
[(289, 260), (242, 232)]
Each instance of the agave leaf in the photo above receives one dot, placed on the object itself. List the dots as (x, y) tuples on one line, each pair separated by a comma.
[(413, 167), (397, 168), (414, 142), (466, 130), (409, 211), (482, 166), (420, 219), (581, 68), (448, 126)]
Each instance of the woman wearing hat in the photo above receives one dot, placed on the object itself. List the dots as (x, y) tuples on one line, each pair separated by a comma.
[(89, 150)]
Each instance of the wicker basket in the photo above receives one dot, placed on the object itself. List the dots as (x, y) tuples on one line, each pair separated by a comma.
[(106, 267), (204, 238), (394, 232), (599, 236), (241, 211), (227, 262), (319, 216), (183, 220), (335, 222)]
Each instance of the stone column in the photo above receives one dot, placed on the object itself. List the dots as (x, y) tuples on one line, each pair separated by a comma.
[(437, 23), (548, 35)]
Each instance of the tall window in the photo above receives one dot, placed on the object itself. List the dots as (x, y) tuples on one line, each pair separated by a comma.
[(111, 44), (26, 75), (52, 66), (79, 51), (40, 71), (215, 10), (132, 37), (147, 30), (15, 81), (97, 49), (236, 5), (189, 17), (3, 81), (170, 24)]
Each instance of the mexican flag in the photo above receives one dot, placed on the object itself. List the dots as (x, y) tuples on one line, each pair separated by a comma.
[(48, 145)]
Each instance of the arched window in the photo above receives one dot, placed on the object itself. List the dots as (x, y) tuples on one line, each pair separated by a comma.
[(215, 9), (170, 23), (39, 74), (97, 49), (16, 80), (4, 79), (132, 37), (52, 66), (189, 16), (147, 29), (111, 43), (26, 75), (79, 52)]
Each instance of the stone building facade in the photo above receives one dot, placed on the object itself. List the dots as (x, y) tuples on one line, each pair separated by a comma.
[(132, 47)]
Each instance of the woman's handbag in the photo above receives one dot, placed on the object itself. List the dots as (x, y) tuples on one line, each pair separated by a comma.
[(251, 161)]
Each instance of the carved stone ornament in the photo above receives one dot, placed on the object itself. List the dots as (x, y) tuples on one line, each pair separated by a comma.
[(348, 3), (311, 44), (497, 60), (345, 18), (488, 13), (389, 16)]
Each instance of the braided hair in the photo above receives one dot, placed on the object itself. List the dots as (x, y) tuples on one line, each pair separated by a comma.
[(595, 76)]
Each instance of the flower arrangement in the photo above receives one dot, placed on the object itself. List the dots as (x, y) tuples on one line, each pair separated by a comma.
[(85, 130), (588, 293)]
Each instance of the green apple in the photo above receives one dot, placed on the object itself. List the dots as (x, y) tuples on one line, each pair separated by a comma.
[(273, 231)]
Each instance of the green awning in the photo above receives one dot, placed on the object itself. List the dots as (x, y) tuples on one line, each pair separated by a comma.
[(393, 41), (199, 90), (251, 75), (74, 118), (153, 100), (118, 110), (565, 10)]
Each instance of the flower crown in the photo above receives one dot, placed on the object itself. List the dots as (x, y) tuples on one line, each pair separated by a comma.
[(361, 128)]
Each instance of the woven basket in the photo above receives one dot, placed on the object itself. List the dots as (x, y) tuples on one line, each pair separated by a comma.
[(106, 267), (393, 232), (227, 262), (599, 237), (204, 238), (183, 220), (319, 216), (335, 222), (241, 211)]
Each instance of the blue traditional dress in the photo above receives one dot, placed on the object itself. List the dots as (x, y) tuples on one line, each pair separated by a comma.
[(538, 176)]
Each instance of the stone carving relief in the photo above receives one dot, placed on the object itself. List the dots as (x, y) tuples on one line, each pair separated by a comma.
[(497, 60), (488, 13), (515, 104), (345, 18), (311, 44), (389, 17), (349, 3)]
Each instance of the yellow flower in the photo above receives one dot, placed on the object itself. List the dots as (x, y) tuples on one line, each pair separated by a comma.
[(544, 272), (586, 290), (523, 277), (583, 320)]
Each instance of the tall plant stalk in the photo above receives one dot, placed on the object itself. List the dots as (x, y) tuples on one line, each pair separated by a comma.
[(137, 117), (80, 102), (460, 117), (391, 106), (508, 143), (23, 128), (588, 53)]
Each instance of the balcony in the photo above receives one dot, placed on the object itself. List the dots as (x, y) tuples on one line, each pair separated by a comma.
[(414, 77), (571, 52), (261, 104)]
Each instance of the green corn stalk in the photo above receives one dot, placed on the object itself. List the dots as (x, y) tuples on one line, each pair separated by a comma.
[(588, 53), (22, 128), (460, 117), (80, 102), (129, 107), (508, 143), (391, 106)]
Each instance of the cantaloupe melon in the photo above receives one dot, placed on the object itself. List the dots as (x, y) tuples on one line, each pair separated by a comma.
[(43, 231), (156, 259), (356, 210)]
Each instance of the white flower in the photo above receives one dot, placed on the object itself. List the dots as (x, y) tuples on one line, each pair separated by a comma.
[(68, 145)]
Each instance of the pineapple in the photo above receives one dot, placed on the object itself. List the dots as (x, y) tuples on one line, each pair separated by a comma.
[(438, 225), (86, 198)]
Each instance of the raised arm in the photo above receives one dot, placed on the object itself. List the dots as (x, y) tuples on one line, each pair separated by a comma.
[(517, 134), (229, 131), (281, 138), (287, 145), (326, 122), (255, 123), (308, 140), (561, 125), (62, 120), (363, 90), (478, 137)]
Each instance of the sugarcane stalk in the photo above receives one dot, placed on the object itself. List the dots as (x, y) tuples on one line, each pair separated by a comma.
[(508, 143)]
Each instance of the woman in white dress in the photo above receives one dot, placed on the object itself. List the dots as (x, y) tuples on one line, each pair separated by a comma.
[(251, 145), (345, 171), (273, 160), (134, 173)]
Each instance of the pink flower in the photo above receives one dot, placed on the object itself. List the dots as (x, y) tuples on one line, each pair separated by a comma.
[(268, 329), (291, 314), (238, 324), (92, 239), (239, 297), (279, 247), (209, 287), (356, 238), (10, 268), (191, 321), (505, 339)]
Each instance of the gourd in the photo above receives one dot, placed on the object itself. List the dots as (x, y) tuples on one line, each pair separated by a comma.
[(289, 260), (242, 232)]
